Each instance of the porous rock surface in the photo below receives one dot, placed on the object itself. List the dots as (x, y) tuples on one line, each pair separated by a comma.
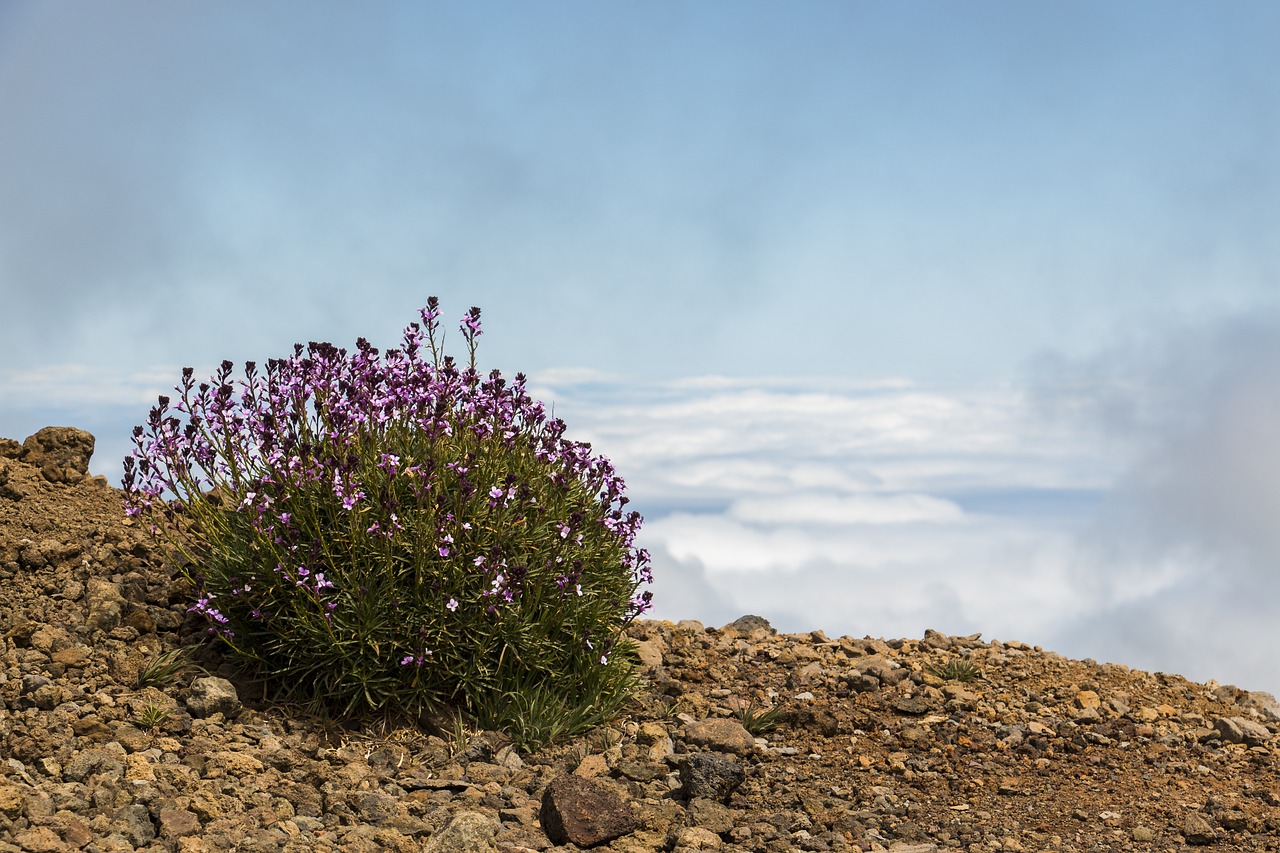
[(871, 748)]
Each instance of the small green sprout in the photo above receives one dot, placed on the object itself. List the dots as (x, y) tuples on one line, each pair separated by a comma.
[(164, 669), (758, 721), (153, 715), (957, 669)]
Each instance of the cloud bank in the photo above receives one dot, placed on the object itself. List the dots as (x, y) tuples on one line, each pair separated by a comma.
[(1120, 507)]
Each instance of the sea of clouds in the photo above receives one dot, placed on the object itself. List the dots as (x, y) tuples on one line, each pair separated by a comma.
[(1121, 507)]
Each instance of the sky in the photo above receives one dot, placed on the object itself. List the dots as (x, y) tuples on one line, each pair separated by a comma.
[(952, 315)]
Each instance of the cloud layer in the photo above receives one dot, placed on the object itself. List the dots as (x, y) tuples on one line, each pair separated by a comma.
[(1120, 507)]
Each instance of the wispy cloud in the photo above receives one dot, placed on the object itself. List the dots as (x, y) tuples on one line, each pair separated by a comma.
[(79, 385)]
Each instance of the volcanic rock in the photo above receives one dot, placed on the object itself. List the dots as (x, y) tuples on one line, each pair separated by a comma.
[(60, 453), (584, 812), (871, 749)]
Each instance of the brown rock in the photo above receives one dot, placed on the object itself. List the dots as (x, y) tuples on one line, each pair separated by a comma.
[(41, 839), (175, 823), (1087, 699), (11, 800), (583, 812), (720, 735), (650, 653), (105, 604), (1197, 831), (61, 453)]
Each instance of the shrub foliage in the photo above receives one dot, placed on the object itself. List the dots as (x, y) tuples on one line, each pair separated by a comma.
[(394, 532)]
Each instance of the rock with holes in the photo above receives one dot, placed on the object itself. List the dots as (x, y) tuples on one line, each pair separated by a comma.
[(61, 453)]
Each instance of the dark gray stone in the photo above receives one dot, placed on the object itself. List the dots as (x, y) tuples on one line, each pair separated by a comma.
[(134, 823), (374, 807), (746, 624), (711, 776)]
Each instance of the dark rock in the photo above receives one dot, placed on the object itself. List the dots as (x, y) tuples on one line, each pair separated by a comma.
[(374, 807), (10, 449), (134, 823), (583, 812), (711, 776), (745, 625), (862, 682), (61, 453)]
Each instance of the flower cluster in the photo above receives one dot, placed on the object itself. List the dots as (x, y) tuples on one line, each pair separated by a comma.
[(336, 502)]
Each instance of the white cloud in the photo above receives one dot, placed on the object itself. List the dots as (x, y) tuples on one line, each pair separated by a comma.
[(75, 385), (834, 509), (1133, 525)]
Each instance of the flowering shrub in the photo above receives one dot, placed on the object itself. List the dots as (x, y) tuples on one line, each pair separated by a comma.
[(394, 532)]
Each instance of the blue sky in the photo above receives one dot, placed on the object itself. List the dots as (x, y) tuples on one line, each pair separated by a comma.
[(925, 314)]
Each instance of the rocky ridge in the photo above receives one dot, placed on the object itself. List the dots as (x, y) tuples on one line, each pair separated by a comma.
[(743, 739)]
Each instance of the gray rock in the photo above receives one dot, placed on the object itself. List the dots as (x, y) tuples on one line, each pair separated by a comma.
[(1242, 730), (134, 823), (1197, 831), (583, 812), (747, 625), (862, 682), (213, 695), (711, 815), (1264, 703), (711, 776), (721, 735), (95, 762), (61, 453), (466, 832), (374, 807), (33, 682)]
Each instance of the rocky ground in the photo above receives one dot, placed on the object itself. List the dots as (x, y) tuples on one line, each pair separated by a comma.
[(743, 739)]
